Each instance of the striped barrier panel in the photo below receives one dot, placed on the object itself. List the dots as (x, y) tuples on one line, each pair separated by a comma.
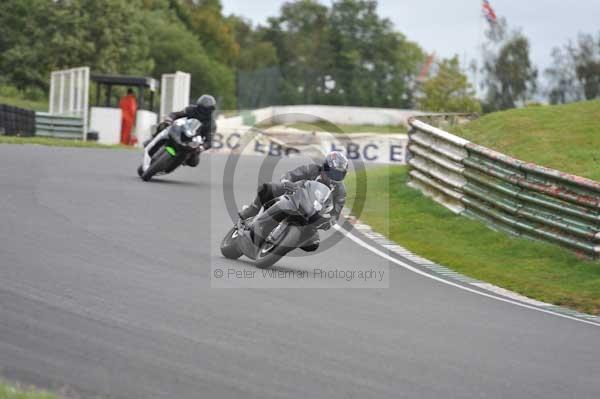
[(514, 196), (66, 127)]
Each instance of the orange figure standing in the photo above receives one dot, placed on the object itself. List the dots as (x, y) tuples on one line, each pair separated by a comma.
[(128, 105)]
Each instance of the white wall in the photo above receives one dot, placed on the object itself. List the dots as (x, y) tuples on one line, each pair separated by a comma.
[(107, 122), (335, 114), (144, 123)]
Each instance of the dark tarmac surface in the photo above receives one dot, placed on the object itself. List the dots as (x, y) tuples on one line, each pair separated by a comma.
[(105, 291)]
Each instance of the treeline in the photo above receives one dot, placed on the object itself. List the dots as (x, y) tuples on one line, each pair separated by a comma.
[(309, 53), (510, 79)]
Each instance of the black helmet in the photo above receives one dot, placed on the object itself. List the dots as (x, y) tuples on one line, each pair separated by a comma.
[(206, 102), (335, 166)]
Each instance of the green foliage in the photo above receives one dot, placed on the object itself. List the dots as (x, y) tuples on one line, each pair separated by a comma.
[(449, 90), (256, 52), (536, 269), (563, 137), (575, 73), (39, 36), (374, 65), (510, 79), (175, 48), (345, 54), (301, 38), (309, 53), (205, 20), (11, 392), (11, 96), (510, 75)]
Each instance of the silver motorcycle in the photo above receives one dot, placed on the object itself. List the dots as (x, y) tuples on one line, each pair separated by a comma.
[(282, 225)]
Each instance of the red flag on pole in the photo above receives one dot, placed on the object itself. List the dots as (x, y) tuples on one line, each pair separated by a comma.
[(425, 70), (488, 12)]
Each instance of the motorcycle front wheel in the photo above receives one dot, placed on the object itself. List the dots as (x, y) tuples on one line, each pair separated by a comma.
[(268, 254), (160, 162), (229, 247)]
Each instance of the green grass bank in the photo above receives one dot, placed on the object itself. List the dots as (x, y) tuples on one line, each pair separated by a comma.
[(533, 268), (565, 137)]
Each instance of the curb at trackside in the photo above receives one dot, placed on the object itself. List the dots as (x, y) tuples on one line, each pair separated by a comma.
[(406, 259)]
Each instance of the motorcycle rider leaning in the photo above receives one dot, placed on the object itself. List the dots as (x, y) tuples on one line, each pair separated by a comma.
[(203, 111), (331, 173)]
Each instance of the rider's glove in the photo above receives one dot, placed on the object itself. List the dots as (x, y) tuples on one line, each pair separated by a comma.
[(289, 186), (163, 125)]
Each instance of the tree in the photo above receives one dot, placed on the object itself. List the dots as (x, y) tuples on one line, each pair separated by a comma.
[(373, 64), (301, 37), (38, 36), (510, 77), (449, 90), (24, 32), (175, 48), (586, 57), (564, 87), (575, 72), (205, 19), (256, 52)]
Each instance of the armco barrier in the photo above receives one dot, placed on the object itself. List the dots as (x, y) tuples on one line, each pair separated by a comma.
[(508, 194), (67, 127), (16, 121)]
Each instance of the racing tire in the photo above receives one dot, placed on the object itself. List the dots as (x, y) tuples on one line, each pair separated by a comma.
[(229, 247), (160, 162), (268, 254)]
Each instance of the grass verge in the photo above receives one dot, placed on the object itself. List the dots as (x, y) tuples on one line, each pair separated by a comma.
[(538, 270), (55, 142), (12, 392), (563, 137), (23, 103)]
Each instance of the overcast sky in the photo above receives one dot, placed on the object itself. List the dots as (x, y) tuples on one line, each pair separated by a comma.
[(451, 27)]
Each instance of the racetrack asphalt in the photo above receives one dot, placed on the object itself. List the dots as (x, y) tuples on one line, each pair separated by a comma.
[(105, 292)]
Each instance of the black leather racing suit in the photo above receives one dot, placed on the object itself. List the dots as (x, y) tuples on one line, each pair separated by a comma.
[(206, 130), (268, 191)]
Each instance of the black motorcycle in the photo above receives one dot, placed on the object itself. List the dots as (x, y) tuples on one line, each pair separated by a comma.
[(171, 147), (282, 225)]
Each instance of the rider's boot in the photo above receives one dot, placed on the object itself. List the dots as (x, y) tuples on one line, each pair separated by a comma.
[(193, 159), (312, 244)]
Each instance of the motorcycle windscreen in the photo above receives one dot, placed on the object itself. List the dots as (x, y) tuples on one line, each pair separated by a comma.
[(314, 198)]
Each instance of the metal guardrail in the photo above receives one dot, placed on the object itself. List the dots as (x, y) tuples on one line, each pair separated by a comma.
[(67, 127), (517, 197)]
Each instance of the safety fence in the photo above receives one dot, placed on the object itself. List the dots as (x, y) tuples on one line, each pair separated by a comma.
[(15, 121), (517, 197), (66, 127)]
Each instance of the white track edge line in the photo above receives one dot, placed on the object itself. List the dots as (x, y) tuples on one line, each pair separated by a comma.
[(444, 281)]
